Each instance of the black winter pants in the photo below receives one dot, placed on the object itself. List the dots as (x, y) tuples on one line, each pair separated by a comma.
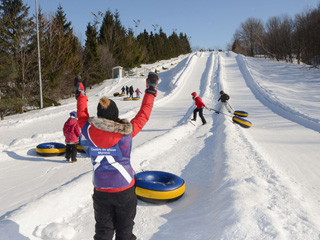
[(71, 152), (200, 110), (114, 212)]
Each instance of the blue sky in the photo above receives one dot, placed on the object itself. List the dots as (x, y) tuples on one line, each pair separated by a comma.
[(209, 23)]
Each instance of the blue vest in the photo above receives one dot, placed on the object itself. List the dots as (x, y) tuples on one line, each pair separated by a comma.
[(111, 166)]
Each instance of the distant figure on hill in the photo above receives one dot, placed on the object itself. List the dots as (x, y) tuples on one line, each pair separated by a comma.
[(138, 92), (131, 91)]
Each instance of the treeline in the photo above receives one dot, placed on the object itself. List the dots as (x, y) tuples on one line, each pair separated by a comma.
[(108, 44), (282, 38)]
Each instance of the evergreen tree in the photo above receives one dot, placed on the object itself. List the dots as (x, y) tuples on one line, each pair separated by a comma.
[(61, 58), (184, 44), (105, 46), (174, 45), (93, 70), (119, 47), (164, 43), (157, 47), (9, 104), (106, 30), (133, 55), (15, 36), (143, 40), (151, 51)]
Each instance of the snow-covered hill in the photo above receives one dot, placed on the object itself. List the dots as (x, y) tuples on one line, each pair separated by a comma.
[(256, 183)]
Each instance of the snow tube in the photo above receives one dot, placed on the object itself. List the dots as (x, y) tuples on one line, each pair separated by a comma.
[(158, 187), (79, 148), (51, 149), (115, 94), (242, 122), (121, 95), (135, 98), (241, 113), (127, 98)]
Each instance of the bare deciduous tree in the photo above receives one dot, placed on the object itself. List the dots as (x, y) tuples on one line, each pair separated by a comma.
[(278, 39), (251, 36)]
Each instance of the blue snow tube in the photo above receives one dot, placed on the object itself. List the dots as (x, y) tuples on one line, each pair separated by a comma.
[(51, 149), (242, 122), (241, 113), (159, 187)]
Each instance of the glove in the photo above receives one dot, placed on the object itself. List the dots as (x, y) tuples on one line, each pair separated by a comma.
[(152, 83), (78, 87)]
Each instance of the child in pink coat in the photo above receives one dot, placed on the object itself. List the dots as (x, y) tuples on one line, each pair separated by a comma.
[(71, 131), (138, 92)]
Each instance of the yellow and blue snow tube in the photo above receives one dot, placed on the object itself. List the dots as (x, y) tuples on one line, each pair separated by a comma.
[(242, 122), (121, 95), (51, 149), (135, 98), (115, 94), (158, 187), (127, 98), (241, 113), (79, 148)]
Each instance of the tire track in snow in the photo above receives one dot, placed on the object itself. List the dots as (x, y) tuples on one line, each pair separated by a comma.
[(204, 155), (182, 129), (272, 102), (176, 85), (277, 206)]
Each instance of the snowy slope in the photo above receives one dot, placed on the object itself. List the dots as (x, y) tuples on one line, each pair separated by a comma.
[(256, 183)]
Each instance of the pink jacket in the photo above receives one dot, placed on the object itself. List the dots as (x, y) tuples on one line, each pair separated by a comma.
[(71, 130)]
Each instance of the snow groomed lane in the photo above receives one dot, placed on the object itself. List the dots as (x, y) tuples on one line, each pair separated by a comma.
[(181, 141), (268, 175), (273, 102)]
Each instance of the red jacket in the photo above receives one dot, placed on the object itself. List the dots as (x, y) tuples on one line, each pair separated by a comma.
[(109, 139), (71, 131), (199, 103), (103, 138)]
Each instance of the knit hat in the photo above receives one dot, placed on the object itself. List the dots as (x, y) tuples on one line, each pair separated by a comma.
[(194, 94), (73, 114), (108, 109), (221, 92)]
